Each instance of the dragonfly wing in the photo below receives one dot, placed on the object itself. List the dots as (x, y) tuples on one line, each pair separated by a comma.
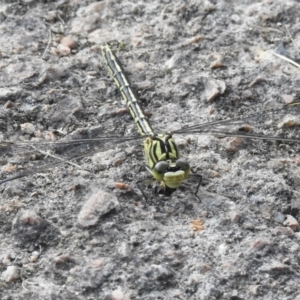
[(40, 156), (266, 125)]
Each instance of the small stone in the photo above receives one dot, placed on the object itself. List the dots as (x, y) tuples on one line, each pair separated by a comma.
[(295, 204), (9, 93), (254, 289), (287, 99), (9, 104), (259, 244), (218, 61), (93, 273), (11, 274), (51, 16), (234, 216), (235, 19), (205, 267), (51, 73), (234, 144), (289, 121), (208, 6), (61, 50), (28, 226), (99, 204), (9, 168), (257, 80), (6, 259), (68, 41), (194, 279), (121, 186), (34, 256), (213, 89), (172, 62), (287, 261), (275, 267), (292, 223), (58, 260), (124, 249), (28, 128), (279, 217), (247, 94), (118, 295), (284, 230), (197, 225), (248, 225), (161, 272)]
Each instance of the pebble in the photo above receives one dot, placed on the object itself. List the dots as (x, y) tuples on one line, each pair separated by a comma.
[(194, 279), (28, 226), (213, 88), (254, 289), (277, 267), (61, 50), (58, 260), (197, 225), (10, 274), (99, 204), (9, 93), (287, 99), (124, 249), (161, 272), (259, 244), (118, 294), (69, 41), (34, 256), (9, 104), (292, 223), (28, 128), (234, 216), (289, 121), (235, 19)]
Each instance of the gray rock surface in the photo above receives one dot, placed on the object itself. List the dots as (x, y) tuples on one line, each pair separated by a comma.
[(83, 230)]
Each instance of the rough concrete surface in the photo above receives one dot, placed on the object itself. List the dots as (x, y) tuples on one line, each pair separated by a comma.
[(83, 230)]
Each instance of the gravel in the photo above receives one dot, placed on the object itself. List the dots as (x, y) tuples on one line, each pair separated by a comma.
[(83, 230)]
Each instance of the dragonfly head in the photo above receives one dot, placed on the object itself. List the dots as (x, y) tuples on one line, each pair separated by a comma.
[(171, 172)]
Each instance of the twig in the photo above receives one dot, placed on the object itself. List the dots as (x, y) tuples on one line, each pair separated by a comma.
[(286, 59), (48, 45)]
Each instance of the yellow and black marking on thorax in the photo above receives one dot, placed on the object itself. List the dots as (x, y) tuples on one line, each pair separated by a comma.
[(161, 152)]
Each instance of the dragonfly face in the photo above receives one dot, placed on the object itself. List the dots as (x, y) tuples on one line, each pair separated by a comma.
[(163, 161)]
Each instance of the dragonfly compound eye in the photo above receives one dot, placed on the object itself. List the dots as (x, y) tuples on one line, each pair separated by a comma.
[(161, 167), (182, 164)]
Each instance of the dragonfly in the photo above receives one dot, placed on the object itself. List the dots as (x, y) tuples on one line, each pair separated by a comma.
[(163, 161)]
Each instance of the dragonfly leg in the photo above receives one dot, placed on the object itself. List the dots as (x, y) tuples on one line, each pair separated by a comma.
[(199, 178), (142, 182)]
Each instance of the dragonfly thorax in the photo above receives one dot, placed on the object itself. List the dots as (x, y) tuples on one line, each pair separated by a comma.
[(160, 147), (163, 160)]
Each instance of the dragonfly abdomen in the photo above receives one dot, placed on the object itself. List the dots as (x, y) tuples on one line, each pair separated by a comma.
[(127, 92)]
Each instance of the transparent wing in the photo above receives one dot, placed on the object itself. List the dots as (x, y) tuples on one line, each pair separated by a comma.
[(40, 156), (273, 124), (266, 125)]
